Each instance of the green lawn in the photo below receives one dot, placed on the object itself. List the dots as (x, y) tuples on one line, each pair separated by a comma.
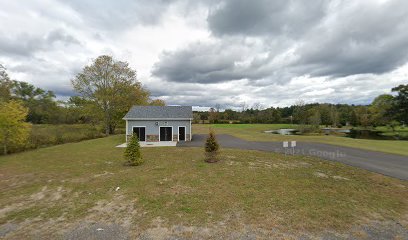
[(52, 189), (255, 132)]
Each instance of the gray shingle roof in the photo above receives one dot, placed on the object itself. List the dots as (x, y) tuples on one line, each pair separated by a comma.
[(159, 112)]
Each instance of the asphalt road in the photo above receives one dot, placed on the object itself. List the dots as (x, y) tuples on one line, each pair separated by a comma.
[(388, 164)]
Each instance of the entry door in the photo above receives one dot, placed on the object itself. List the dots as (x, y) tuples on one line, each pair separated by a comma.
[(166, 134), (140, 133), (182, 133)]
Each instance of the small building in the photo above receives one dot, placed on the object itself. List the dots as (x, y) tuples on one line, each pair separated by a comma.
[(159, 123)]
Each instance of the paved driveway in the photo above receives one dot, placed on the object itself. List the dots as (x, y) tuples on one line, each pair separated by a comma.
[(384, 163)]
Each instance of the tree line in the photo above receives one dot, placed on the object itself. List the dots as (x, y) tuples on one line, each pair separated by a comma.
[(105, 91), (386, 109)]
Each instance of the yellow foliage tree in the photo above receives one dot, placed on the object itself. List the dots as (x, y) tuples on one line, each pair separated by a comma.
[(14, 131)]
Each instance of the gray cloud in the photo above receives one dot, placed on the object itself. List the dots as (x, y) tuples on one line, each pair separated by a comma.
[(341, 40), (265, 17), (273, 52), (25, 45), (106, 15), (357, 39), (221, 61)]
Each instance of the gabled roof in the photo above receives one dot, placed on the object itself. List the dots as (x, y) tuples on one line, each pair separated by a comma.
[(160, 112)]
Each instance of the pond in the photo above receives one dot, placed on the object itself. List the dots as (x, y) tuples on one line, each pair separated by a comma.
[(351, 133), (335, 130), (283, 131), (368, 134)]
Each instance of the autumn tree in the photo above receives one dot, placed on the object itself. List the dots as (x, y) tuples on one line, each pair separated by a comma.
[(157, 102), (111, 88), (14, 131)]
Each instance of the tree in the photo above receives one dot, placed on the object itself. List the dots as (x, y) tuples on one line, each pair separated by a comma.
[(393, 125), (315, 118), (211, 148), (111, 87), (363, 116), (400, 103), (41, 104), (213, 115), (14, 131), (157, 102), (133, 155), (334, 116), (299, 113), (380, 109), (5, 84)]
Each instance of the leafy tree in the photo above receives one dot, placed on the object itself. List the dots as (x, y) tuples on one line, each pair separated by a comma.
[(133, 155), (325, 116), (380, 109), (14, 131), (363, 116), (41, 103), (315, 118), (157, 102), (334, 116), (400, 103), (393, 125), (111, 87), (354, 118), (299, 113), (5, 84), (211, 148)]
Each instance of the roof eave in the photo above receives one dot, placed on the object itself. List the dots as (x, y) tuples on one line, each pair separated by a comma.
[(129, 118)]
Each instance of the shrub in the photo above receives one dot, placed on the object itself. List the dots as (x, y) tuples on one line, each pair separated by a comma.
[(211, 148), (133, 155)]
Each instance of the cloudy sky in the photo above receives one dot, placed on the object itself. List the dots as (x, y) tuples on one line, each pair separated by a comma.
[(207, 52)]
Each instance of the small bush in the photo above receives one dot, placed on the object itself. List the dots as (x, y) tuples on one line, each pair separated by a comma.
[(133, 155), (211, 148)]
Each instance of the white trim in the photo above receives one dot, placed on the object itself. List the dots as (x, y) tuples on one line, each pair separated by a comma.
[(126, 130), (160, 119), (140, 127), (190, 129), (171, 133), (178, 133)]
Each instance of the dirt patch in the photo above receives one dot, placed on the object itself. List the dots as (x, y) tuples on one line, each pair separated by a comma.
[(320, 175), (180, 189), (324, 175), (105, 173), (233, 163), (340, 178), (278, 164)]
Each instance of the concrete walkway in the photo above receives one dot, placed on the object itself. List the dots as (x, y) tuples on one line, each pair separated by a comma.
[(151, 144), (388, 164)]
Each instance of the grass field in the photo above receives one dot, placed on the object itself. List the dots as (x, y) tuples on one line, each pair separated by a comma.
[(51, 190), (255, 132)]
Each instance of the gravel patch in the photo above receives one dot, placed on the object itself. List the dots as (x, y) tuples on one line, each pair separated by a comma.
[(7, 228), (97, 231)]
